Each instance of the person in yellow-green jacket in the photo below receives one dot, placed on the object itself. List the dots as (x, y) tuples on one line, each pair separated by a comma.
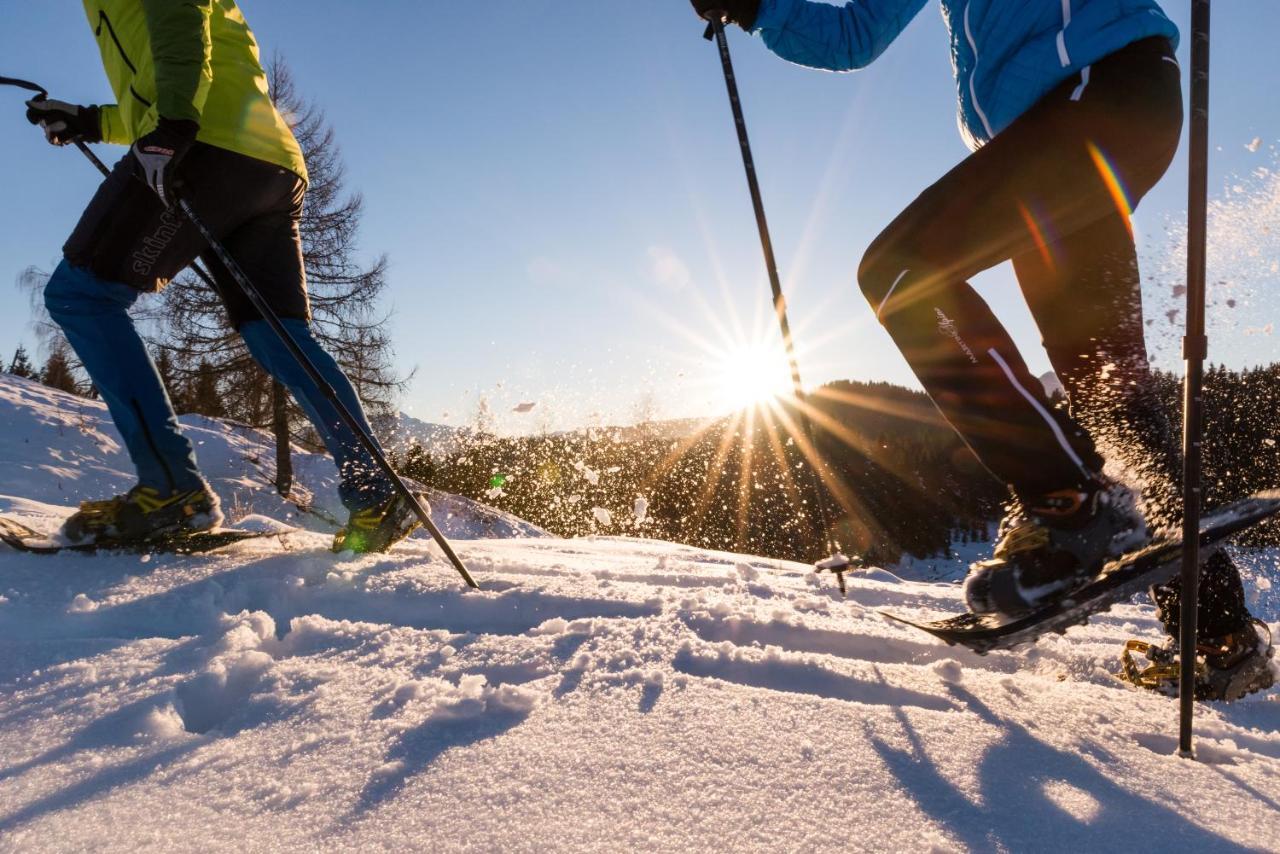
[(192, 104)]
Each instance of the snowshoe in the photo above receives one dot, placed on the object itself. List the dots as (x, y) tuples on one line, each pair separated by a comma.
[(378, 528), (1054, 545), (144, 514), (1227, 668)]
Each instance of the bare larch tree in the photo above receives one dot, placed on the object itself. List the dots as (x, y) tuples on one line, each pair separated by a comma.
[(209, 362)]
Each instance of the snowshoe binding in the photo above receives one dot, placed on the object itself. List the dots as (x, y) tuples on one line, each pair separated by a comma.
[(378, 528), (144, 514), (1053, 545), (1227, 668)]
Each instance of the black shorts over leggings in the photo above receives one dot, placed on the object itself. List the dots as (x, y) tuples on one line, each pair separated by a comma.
[(253, 207)]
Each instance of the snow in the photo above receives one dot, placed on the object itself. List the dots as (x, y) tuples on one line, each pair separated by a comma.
[(598, 694), (640, 510), (950, 567), (590, 475), (57, 450)]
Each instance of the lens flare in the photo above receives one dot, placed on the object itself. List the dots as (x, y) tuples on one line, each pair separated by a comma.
[(751, 374), (1114, 186)]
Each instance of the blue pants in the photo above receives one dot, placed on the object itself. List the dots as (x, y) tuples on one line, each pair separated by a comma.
[(94, 315)]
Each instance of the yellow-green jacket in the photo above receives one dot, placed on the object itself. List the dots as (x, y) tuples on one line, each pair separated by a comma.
[(189, 59)]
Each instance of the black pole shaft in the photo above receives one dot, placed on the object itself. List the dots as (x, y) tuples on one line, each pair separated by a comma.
[(348, 418), (771, 265), (93, 158), (757, 202), (1195, 351)]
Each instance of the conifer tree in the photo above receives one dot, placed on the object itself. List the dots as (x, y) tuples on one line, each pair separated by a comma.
[(20, 365), (57, 371), (205, 397)]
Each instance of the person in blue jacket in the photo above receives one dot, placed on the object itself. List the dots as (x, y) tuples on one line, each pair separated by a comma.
[(1073, 111)]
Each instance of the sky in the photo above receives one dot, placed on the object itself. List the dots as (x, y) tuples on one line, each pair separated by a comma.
[(559, 191)]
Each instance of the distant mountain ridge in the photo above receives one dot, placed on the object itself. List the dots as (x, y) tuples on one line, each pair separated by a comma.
[(438, 440)]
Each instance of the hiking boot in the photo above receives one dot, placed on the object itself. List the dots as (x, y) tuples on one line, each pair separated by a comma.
[(143, 514), (1227, 668), (1238, 664), (378, 528), (1053, 545)]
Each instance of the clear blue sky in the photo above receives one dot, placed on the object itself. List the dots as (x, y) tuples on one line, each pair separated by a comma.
[(558, 187)]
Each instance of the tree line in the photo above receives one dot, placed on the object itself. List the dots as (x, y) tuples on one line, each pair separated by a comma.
[(898, 479), (57, 372)]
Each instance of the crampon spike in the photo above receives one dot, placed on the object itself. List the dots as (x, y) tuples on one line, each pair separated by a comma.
[(1162, 672)]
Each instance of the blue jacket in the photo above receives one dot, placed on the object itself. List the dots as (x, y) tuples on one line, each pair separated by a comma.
[(1007, 54)]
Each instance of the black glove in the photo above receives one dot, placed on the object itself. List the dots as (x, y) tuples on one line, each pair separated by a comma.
[(160, 152), (740, 12), (64, 123)]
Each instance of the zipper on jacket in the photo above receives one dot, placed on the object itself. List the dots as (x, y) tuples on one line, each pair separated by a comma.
[(103, 19), (973, 72), (1063, 56)]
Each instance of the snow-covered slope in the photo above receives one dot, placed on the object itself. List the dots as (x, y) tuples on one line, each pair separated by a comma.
[(599, 694), (58, 449)]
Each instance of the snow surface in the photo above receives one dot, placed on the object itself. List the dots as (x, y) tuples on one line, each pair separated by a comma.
[(600, 694), (58, 449)]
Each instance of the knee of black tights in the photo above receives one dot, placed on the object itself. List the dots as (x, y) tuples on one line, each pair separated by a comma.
[(881, 275)]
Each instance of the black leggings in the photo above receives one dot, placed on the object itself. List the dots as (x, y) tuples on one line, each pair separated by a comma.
[(1053, 193)]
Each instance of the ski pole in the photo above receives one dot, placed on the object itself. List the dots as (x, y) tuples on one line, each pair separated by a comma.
[(1195, 349), (43, 94), (348, 418), (715, 29)]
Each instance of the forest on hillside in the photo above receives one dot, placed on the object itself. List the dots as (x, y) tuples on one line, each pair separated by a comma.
[(899, 480)]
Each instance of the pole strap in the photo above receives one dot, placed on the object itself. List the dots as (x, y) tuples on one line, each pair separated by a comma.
[(40, 91)]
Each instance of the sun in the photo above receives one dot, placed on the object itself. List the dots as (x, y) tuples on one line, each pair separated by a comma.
[(750, 375)]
